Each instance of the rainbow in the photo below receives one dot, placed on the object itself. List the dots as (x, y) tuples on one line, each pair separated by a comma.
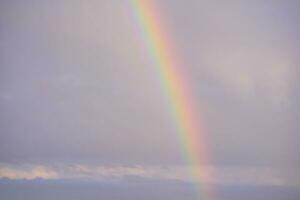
[(175, 85)]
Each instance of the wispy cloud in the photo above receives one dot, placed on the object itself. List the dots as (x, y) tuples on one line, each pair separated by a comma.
[(90, 172), (28, 173), (258, 176), (224, 175)]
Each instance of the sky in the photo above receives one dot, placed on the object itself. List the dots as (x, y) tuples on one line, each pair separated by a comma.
[(83, 114)]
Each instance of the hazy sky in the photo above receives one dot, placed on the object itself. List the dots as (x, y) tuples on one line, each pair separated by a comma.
[(79, 98)]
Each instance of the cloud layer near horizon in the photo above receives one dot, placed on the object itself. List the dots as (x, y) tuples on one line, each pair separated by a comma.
[(223, 176)]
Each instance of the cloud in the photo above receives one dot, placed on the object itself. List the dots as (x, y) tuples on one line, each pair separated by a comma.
[(74, 83), (251, 72), (101, 172), (28, 173), (4, 96), (257, 176), (223, 175)]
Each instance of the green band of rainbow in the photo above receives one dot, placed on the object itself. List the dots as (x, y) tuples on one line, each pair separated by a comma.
[(174, 82)]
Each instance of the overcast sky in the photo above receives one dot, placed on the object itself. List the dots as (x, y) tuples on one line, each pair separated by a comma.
[(79, 98)]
